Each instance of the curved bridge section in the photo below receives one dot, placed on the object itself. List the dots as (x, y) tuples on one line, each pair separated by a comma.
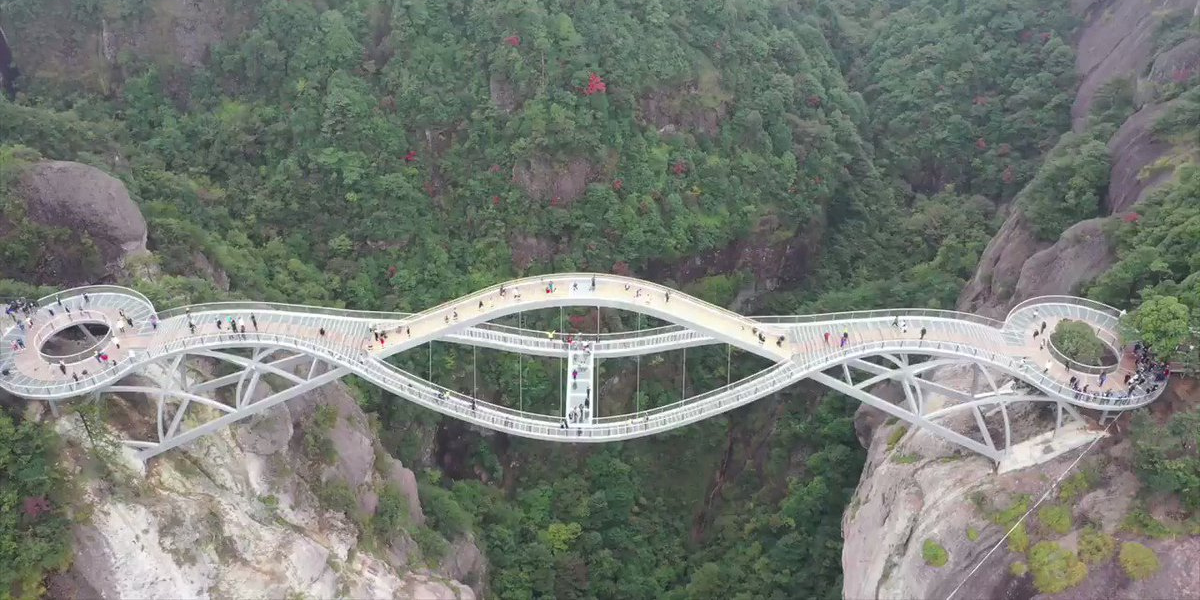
[(306, 347)]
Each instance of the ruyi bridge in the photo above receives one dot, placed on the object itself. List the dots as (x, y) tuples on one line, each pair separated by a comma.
[(302, 347)]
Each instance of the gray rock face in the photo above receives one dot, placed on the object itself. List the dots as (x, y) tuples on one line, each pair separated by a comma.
[(1116, 41), (1132, 148), (87, 200), (406, 482), (464, 562), (990, 292), (1081, 254), (267, 432)]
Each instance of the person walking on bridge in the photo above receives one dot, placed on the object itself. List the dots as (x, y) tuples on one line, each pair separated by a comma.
[(254, 321), (923, 331), (218, 323), (826, 338), (62, 366)]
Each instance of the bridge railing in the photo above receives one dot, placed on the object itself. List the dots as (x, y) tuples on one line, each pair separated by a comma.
[(92, 290), (238, 306)]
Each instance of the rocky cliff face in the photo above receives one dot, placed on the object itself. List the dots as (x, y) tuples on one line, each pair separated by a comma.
[(921, 489), (1119, 40), (246, 513)]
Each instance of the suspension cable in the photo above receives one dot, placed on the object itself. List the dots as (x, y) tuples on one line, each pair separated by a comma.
[(1052, 486)]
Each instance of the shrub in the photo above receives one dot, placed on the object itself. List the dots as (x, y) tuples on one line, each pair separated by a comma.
[(1018, 569), (444, 513), (336, 496), (895, 435), (1055, 517), (1055, 568), (935, 555), (1019, 540), (1096, 546), (1138, 561), (433, 546), (391, 514), (1077, 485), (1077, 340), (972, 534)]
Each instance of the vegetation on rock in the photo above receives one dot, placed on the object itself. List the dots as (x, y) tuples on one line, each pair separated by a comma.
[(1095, 546), (1055, 568), (934, 554), (1138, 561)]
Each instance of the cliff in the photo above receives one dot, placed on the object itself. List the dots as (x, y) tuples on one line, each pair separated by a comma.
[(299, 501), (920, 489), (1120, 39)]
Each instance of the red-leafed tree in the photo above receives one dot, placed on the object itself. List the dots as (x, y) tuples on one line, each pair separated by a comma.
[(618, 184), (411, 156), (595, 85), (513, 40), (981, 144), (679, 168)]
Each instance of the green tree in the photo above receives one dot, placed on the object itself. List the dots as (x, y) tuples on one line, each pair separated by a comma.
[(34, 526), (1162, 322)]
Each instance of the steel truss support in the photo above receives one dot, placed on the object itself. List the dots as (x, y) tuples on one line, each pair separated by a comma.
[(916, 410), (172, 403)]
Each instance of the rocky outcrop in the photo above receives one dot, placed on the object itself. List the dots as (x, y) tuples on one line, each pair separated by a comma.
[(90, 51), (922, 488), (1117, 41), (90, 203), (557, 182), (1081, 254), (240, 513), (686, 110), (990, 292)]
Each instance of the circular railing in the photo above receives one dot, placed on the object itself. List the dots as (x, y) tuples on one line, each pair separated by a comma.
[(1074, 365), (65, 322)]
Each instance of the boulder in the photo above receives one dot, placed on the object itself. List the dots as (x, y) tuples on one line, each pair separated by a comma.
[(405, 481), (465, 563), (88, 201)]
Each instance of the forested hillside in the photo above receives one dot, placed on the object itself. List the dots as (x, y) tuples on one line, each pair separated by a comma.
[(390, 154)]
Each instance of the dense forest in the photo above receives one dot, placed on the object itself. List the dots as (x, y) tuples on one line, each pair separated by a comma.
[(389, 155)]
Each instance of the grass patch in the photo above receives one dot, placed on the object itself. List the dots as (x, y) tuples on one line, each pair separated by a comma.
[(934, 554), (1018, 569), (894, 437), (1077, 485), (1055, 568), (1141, 522), (1019, 540), (906, 459), (1095, 546), (1056, 518), (1138, 561)]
